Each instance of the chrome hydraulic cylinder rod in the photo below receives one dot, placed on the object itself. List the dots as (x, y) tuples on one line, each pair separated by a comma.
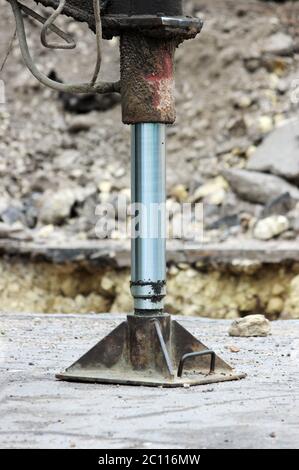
[(148, 250)]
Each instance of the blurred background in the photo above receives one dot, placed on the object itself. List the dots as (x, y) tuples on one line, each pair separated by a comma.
[(234, 147)]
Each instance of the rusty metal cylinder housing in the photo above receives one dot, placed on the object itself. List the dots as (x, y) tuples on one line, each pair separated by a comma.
[(147, 79)]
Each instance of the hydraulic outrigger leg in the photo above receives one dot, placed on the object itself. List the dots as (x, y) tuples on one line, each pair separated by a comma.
[(149, 348)]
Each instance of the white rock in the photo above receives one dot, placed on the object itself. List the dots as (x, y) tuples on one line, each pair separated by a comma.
[(252, 325), (265, 124), (45, 232), (270, 227), (213, 190), (105, 186), (179, 192)]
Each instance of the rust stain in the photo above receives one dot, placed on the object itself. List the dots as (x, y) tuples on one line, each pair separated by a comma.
[(161, 79)]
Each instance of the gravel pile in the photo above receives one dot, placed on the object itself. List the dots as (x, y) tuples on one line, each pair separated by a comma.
[(234, 146)]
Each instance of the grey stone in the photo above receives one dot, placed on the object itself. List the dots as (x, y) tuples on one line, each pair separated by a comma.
[(232, 220), (81, 123), (67, 159), (56, 206), (279, 152), (294, 218), (252, 325), (13, 214), (279, 44), (8, 230), (258, 187), (280, 205)]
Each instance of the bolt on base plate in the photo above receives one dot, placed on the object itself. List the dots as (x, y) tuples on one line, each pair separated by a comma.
[(153, 351)]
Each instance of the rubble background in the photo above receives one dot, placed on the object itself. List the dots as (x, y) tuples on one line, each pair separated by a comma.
[(234, 146)]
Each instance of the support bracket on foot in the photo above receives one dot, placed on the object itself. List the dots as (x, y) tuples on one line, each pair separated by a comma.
[(153, 351)]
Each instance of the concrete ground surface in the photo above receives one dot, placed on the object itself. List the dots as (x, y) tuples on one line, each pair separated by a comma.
[(37, 411)]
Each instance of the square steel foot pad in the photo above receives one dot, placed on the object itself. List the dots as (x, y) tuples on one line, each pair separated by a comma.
[(153, 351)]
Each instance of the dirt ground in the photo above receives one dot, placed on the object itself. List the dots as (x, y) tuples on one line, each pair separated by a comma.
[(260, 411)]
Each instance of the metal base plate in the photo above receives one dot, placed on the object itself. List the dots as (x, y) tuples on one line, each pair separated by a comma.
[(151, 351), (91, 377)]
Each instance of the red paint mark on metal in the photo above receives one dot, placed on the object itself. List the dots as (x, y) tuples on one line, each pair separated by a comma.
[(163, 73), (164, 69)]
